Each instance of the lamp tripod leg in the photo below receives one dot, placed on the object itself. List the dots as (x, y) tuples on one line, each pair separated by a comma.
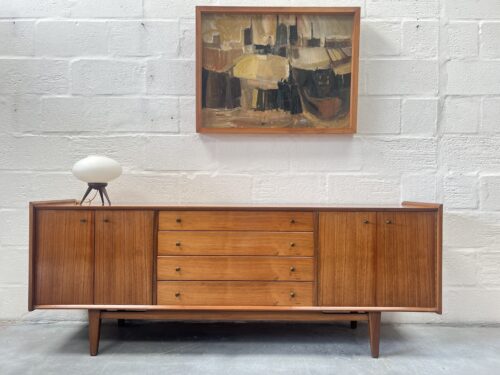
[(106, 195), (100, 194), (89, 189)]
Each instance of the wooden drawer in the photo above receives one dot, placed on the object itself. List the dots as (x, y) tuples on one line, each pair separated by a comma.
[(235, 243), (234, 293), (236, 220), (235, 268)]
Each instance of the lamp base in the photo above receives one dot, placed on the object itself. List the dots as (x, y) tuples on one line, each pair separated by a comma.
[(101, 188)]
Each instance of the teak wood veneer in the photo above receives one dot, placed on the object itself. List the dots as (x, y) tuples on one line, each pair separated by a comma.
[(225, 263)]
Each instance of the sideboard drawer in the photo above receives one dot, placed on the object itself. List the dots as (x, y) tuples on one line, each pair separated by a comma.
[(235, 268), (236, 220), (235, 243), (234, 293)]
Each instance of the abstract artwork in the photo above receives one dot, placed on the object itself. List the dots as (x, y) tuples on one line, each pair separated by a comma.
[(277, 70)]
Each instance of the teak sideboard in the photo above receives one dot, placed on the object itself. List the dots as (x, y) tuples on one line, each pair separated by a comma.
[(245, 263)]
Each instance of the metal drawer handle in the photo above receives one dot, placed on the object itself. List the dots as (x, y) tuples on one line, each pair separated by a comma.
[(292, 294), (388, 221), (178, 243), (366, 221), (292, 221), (178, 220), (177, 294), (178, 269), (292, 244), (292, 269)]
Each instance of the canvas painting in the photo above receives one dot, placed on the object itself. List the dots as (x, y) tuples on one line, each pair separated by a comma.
[(277, 71)]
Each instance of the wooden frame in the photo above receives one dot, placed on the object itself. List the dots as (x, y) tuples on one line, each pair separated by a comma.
[(352, 115)]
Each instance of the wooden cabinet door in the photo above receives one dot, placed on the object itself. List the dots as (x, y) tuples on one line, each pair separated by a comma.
[(123, 257), (406, 256), (64, 257), (347, 243)]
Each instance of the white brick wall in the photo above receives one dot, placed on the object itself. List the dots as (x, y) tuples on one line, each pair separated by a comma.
[(117, 77)]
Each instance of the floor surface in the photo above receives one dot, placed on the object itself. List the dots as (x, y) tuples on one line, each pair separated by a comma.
[(184, 348)]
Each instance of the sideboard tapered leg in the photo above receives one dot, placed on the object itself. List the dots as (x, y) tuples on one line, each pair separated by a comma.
[(94, 331), (374, 328)]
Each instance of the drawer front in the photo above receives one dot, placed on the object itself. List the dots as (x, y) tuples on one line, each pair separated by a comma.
[(235, 268), (234, 293), (235, 243), (236, 220)]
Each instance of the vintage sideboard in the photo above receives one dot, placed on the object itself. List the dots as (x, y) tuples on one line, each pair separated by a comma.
[(245, 263)]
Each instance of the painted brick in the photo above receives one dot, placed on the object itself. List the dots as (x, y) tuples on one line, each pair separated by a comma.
[(393, 155), (109, 114), (187, 40), (470, 153), (490, 43), (14, 266), (419, 116), (179, 153), (380, 38), (20, 113), (402, 8), (144, 38), (379, 115), (216, 188), (34, 8), (473, 77), (290, 189), (490, 193), (463, 39), (459, 267), (488, 265), (171, 77), (33, 76), (471, 305), (17, 37), (14, 227), (106, 9), (419, 187), (187, 114), (472, 9), (460, 191), (71, 38), (471, 230), (490, 121), (145, 187), (420, 39), (393, 77), (244, 154), (173, 8), (363, 189), (95, 77), (461, 115)]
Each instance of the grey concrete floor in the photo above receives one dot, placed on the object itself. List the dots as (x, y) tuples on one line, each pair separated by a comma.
[(191, 348)]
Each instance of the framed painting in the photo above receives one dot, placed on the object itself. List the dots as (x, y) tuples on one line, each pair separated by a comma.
[(276, 70)]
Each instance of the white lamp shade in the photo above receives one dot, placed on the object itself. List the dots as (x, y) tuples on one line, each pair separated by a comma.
[(96, 169)]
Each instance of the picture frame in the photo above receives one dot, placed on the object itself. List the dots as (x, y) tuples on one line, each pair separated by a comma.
[(272, 70)]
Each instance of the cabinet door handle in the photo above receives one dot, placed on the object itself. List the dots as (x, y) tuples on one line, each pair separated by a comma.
[(83, 220), (388, 221), (106, 220), (366, 221)]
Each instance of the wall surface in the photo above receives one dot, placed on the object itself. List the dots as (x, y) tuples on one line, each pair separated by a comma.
[(116, 77)]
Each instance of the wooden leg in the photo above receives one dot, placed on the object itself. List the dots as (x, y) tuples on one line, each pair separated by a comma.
[(374, 328), (94, 330), (354, 324), (121, 322)]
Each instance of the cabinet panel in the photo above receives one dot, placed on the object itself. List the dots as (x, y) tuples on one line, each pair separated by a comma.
[(406, 259), (123, 257), (64, 257), (347, 245)]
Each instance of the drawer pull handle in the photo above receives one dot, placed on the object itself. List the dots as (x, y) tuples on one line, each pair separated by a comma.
[(292, 269), (177, 294), (177, 243), (83, 220), (106, 220), (388, 221), (292, 294), (292, 244), (366, 221), (178, 220), (292, 221), (178, 269)]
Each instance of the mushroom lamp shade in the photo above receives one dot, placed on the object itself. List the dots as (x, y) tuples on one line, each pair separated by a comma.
[(97, 171)]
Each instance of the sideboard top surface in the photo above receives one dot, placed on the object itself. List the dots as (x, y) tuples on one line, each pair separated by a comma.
[(406, 206)]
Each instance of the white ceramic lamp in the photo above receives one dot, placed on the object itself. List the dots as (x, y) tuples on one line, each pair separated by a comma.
[(97, 171)]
